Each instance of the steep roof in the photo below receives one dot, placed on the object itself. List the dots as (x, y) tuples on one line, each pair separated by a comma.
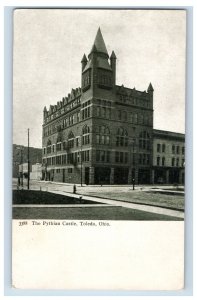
[(99, 42)]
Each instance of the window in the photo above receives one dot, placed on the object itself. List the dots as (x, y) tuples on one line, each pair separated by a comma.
[(70, 170), (163, 161), (44, 151), (71, 140), (58, 160), (177, 162), (58, 146), (158, 161), (86, 110), (85, 155), (163, 148), (121, 137), (121, 157), (183, 150), (103, 156), (85, 135), (78, 117), (173, 149), (158, 148), (177, 149), (48, 147), (77, 142), (144, 140), (135, 118), (102, 135), (173, 161), (119, 115), (124, 116)]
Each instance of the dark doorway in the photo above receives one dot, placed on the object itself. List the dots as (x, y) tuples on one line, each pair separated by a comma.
[(121, 175), (64, 178), (144, 176), (87, 171), (174, 176), (102, 175)]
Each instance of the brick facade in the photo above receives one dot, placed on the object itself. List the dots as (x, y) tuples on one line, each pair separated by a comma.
[(101, 133)]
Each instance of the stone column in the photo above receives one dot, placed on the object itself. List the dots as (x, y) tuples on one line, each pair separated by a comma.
[(180, 176), (91, 175), (130, 176), (152, 176), (112, 176), (136, 176), (167, 176)]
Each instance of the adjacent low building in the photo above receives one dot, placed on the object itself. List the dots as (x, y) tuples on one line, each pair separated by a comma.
[(168, 157)]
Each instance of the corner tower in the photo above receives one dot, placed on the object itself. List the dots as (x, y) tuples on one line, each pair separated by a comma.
[(98, 72)]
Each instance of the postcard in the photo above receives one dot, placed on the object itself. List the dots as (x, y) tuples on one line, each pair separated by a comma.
[(98, 149)]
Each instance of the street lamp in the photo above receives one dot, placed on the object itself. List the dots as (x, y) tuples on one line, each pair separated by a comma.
[(81, 162), (132, 143), (21, 163)]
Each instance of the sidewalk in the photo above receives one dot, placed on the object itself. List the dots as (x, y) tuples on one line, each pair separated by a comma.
[(146, 208)]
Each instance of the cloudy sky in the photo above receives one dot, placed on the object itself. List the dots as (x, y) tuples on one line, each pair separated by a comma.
[(49, 45)]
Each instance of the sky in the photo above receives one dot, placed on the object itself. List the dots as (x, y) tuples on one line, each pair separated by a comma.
[(49, 45)]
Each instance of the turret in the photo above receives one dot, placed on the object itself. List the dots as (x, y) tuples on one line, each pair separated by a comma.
[(44, 113), (113, 67), (83, 62)]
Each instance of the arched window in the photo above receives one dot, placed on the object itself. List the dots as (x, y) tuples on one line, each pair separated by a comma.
[(59, 143), (144, 140), (71, 140), (122, 137), (86, 135), (102, 135), (48, 146)]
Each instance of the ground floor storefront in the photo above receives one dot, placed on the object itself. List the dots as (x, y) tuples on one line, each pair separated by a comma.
[(98, 174), (165, 175)]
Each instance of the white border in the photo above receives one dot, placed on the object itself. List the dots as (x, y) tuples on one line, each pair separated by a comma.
[(100, 3)]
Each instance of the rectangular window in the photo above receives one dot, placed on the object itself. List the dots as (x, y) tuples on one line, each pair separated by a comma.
[(163, 148), (173, 161), (108, 156), (163, 161), (97, 155), (98, 139), (119, 114), (177, 162), (183, 150), (158, 161), (158, 147), (177, 149), (103, 156), (121, 157), (173, 149), (78, 117), (98, 111), (126, 157), (116, 156)]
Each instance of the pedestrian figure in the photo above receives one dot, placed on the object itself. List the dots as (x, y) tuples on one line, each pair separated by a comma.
[(133, 181), (74, 189)]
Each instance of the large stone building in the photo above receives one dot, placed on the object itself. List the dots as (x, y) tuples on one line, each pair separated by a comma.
[(101, 132)]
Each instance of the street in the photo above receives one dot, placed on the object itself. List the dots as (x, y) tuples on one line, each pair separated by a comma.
[(144, 203)]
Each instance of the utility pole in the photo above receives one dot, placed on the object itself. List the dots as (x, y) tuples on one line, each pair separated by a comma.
[(28, 163), (22, 166), (81, 161)]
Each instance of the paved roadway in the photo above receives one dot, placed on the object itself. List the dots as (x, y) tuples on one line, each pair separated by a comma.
[(66, 189)]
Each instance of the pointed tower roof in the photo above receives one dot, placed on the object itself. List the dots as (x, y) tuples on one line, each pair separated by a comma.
[(113, 55), (150, 88), (99, 43), (84, 58)]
